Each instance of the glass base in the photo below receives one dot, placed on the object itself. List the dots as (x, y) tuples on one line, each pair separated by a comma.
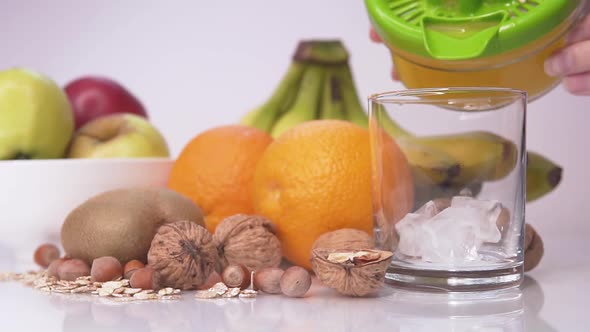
[(454, 281)]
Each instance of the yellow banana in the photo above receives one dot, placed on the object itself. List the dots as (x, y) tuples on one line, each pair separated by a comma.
[(265, 115), (482, 156), (542, 176), (305, 106), (429, 165), (332, 105)]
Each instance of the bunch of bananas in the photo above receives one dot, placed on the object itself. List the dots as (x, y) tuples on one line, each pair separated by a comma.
[(319, 85)]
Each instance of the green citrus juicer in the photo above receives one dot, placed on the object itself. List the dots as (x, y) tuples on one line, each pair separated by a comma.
[(474, 43)]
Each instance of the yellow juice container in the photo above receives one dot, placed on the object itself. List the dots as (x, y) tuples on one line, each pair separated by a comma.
[(474, 43)]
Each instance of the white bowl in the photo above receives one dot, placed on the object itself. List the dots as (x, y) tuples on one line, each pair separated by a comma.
[(37, 195)]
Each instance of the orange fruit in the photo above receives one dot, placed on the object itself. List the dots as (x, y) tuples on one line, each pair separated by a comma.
[(316, 177), (216, 168)]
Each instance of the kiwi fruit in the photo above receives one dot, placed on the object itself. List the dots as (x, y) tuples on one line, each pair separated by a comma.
[(122, 222)]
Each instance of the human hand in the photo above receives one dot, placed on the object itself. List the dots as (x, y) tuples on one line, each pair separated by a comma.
[(573, 61)]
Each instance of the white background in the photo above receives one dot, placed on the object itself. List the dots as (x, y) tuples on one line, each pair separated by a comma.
[(197, 64)]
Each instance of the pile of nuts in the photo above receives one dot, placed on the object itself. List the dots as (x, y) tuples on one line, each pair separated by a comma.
[(238, 260)]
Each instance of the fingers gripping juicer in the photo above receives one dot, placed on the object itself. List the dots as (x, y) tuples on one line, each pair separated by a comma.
[(478, 43)]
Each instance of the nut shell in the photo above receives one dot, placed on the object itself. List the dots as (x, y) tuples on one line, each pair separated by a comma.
[(348, 278), (533, 248), (344, 238), (184, 255), (248, 240)]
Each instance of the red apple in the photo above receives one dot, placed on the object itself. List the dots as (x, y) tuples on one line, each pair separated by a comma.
[(93, 96)]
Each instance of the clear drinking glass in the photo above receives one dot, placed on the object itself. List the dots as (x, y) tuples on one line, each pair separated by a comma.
[(462, 227)]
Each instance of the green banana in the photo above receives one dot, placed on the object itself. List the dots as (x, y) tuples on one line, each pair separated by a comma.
[(332, 106), (306, 104), (265, 115), (542, 176), (355, 111)]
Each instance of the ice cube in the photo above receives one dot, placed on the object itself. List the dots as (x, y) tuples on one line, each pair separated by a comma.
[(411, 234), (489, 211), (428, 210), (451, 237)]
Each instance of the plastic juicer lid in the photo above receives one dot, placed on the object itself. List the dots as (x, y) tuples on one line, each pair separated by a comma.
[(466, 29)]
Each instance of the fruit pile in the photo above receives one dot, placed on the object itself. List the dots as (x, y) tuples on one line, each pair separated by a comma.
[(292, 181), (91, 117)]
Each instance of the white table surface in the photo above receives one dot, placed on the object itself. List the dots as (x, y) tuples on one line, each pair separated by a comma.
[(554, 297)]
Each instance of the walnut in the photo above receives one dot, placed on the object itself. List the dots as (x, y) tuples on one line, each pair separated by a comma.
[(533, 248), (184, 255), (249, 240), (344, 238), (351, 272)]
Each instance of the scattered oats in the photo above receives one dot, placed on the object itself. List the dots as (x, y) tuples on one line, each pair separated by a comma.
[(82, 289), (176, 291), (132, 291), (145, 296), (121, 295), (248, 293), (232, 292), (59, 290), (94, 292), (171, 297), (119, 290), (147, 291), (105, 291), (206, 294), (219, 288), (45, 289), (66, 288), (112, 284), (82, 282), (166, 291), (97, 284)]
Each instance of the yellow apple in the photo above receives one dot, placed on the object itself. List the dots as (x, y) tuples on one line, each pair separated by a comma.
[(122, 135), (36, 118)]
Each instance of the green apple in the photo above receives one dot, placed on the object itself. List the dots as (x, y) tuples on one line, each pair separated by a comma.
[(36, 118), (122, 135)]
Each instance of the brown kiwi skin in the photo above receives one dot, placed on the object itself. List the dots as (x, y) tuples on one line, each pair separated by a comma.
[(122, 222)]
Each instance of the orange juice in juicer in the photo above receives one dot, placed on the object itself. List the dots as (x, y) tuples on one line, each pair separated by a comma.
[(474, 43)]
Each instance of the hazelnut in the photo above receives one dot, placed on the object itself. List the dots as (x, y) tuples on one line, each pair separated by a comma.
[(248, 240), (45, 254), (145, 278), (131, 267), (184, 255), (533, 248), (72, 269), (52, 268), (295, 282), (268, 280), (106, 268), (344, 238), (353, 273), (236, 275)]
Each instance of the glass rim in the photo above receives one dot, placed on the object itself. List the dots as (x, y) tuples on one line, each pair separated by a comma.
[(458, 94)]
